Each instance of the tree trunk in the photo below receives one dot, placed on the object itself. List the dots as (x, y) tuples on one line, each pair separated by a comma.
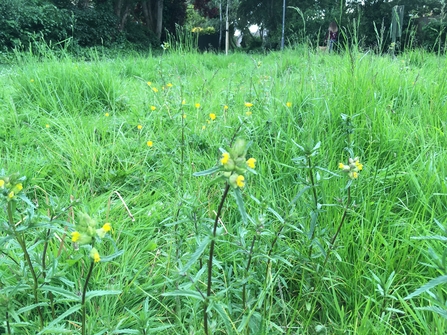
[(122, 14), (147, 12), (159, 18), (124, 18)]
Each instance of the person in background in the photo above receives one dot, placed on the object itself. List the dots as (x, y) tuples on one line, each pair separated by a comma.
[(332, 36)]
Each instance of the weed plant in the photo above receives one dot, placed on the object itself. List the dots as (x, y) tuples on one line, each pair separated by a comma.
[(332, 234)]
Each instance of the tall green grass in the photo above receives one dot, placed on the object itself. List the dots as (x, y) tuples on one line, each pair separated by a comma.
[(71, 127)]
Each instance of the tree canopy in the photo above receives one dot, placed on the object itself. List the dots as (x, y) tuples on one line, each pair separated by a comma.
[(145, 22)]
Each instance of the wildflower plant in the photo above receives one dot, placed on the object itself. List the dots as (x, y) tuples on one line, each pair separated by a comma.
[(232, 169), (31, 294), (11, 187), (352, 170), (87, 235)]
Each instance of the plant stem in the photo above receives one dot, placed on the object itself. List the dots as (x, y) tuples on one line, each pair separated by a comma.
[(8, 327), (314, 193), (331, 245), (44, 274), (28, 261), (246, 271), (311, 176), (84, 291), (210, 259), (269, 262)]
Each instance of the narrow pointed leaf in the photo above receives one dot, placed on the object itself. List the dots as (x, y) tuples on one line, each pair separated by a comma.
[(100, 293), (432, 283), (240, 204), (207, 172), (196, 255)]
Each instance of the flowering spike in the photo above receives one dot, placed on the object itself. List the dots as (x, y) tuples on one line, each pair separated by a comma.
[(353, 168)]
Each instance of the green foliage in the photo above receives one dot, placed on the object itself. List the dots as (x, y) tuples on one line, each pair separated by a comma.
[(301, 248), (94, 26), (23, 21)]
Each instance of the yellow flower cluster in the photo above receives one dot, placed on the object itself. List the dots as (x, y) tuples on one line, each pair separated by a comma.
[(352, 168), (235, 165), (86, 232), (248, 105), (10, 186)]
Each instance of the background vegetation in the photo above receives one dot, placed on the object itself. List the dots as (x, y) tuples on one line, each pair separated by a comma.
[(120, 139), (145, 24)]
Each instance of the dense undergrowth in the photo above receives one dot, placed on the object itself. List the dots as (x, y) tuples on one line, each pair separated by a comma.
[(318, 253)]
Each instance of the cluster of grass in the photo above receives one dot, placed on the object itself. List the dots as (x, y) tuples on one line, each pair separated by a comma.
[(121, 138)]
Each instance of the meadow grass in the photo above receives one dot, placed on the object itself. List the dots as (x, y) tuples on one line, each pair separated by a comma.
[(121, 138)]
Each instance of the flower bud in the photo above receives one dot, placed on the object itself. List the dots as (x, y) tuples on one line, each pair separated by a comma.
[(95, 255), (239, 148)]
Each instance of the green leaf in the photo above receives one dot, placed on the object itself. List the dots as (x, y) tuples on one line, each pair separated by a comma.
[(68, 312), (435, 309), (434, 237), (126, 331), (220, 309), (432, 283), (56, 330), (60, 291), (300, 193), (207, 172), (112, 256), (183, 293), (195, 256), (98, 293), (279, 217), (30, 307), (240, 204), (25, 199)]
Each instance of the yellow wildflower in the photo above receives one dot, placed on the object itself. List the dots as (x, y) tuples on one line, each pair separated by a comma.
[(155, 89), (353, 168), (183, 102), (2, 183), (95, 255), (149, 83), (47, 126), (75, 236), (107, 227), (251, 163), (11, 195), (248, 104), (169, 85), (240, 181), (197, 105), (288, 104), (153, 108), (225, 107), (149, 143), (140, 127), (106, 114), (225, 158), (359, 165), (212, 116)]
